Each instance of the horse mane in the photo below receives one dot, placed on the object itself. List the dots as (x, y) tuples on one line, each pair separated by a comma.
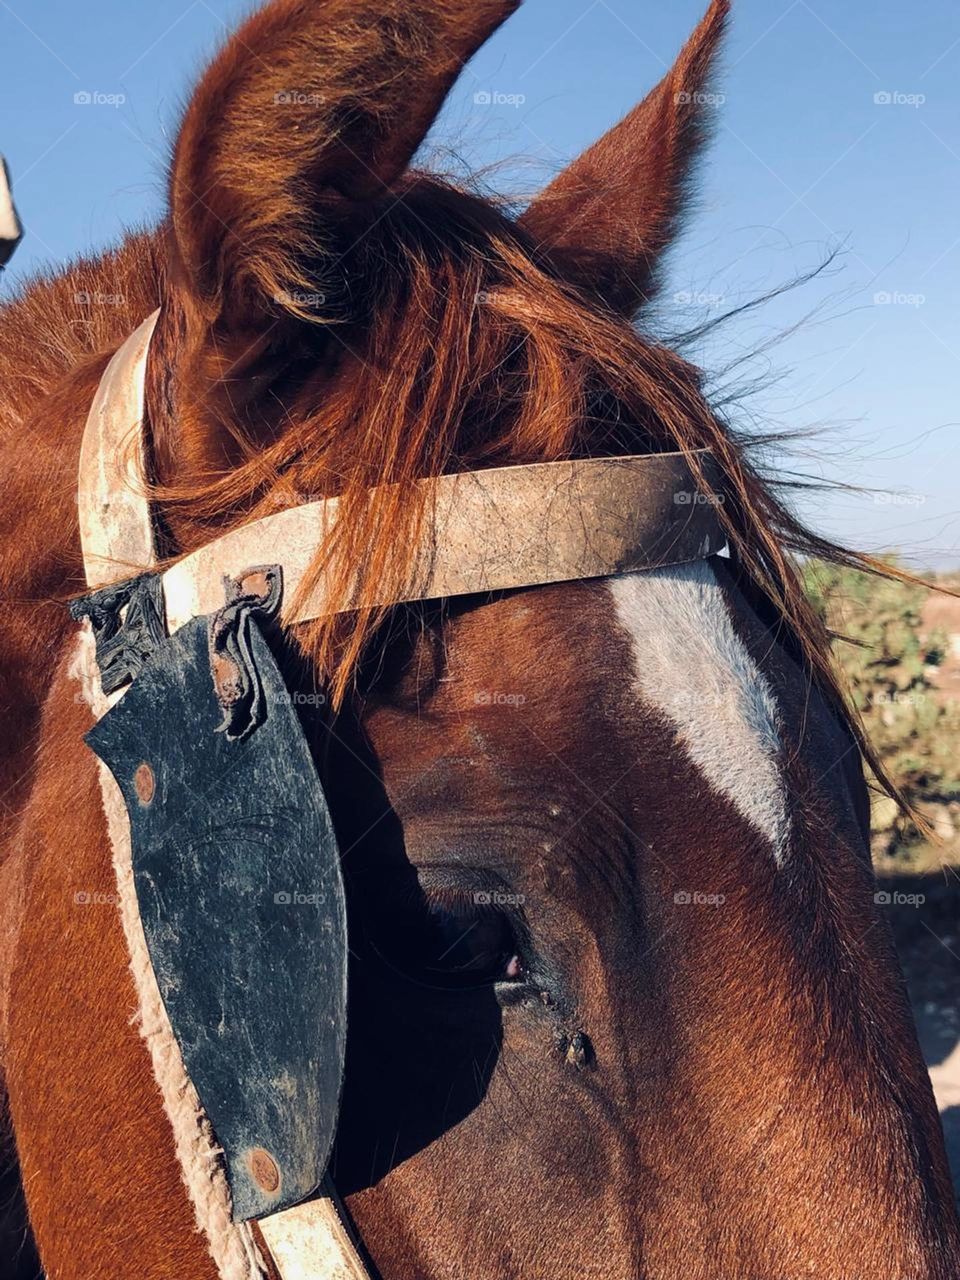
[(57, 321)]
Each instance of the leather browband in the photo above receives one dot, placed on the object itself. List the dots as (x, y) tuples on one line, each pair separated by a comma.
[(489, 530)]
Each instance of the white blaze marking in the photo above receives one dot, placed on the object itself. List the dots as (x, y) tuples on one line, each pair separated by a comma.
[(693, 667)]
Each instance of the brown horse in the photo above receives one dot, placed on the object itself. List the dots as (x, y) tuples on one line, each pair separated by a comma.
[(621, 1002)]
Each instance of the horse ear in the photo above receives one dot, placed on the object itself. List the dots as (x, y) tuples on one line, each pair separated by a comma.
[(310, 112), (608, 218)]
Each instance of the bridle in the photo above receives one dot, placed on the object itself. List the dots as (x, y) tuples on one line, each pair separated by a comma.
[(489, 530), (486, 531)]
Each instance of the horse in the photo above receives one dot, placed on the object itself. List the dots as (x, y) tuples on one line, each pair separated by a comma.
[(621, 1000)]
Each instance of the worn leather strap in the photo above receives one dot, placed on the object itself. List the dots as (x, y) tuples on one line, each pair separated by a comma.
[(486, 530), (313, 1241), (116, 534), (116, 530)]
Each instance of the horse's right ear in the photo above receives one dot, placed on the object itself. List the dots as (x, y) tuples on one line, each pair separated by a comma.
[(310, 112), (607, 220)]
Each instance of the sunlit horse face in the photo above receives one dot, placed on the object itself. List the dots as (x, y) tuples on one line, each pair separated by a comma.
[(620, 1001)]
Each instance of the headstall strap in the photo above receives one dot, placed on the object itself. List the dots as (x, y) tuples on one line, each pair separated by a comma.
[(127, 615), (116, 527), (220, 850)]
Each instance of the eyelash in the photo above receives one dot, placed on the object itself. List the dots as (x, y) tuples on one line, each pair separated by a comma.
[(421, 928), (455, 901)]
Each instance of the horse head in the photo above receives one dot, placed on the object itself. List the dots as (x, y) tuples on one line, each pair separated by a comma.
[(621, 1001)]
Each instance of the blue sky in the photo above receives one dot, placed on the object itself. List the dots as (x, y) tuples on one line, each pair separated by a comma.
[(806, 158)]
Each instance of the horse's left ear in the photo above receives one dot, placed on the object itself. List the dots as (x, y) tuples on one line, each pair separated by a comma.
[(308, 115), (608, 219)]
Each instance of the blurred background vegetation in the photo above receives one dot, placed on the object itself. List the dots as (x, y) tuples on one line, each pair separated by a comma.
[(899, 647)]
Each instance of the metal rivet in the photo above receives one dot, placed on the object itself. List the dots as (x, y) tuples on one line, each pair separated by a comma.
[(255, 584), (266, 1172), (144, 784)]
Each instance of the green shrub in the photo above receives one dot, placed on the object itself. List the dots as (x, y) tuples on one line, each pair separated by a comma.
[(890, 667)]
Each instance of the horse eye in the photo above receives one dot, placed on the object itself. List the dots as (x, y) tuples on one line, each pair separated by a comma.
[(470, 947), (453, 947)]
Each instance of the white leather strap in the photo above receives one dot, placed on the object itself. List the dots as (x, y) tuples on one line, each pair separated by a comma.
[(116, 531), (487, 531), (312, 1242)]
